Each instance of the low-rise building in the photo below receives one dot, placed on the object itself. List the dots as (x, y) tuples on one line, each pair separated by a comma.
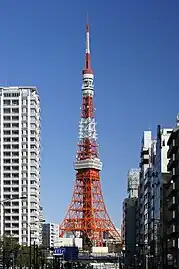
[(129, 217), (129, 229), (50, 234)]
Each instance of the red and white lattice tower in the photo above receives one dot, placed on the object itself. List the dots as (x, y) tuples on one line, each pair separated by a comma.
[(87, 212)]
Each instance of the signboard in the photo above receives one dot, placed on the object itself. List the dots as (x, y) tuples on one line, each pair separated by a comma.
[(58, 251), (68, 253)]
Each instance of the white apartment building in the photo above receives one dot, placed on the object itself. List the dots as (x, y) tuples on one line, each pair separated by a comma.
[(20, 163), (42, 221), (50, 234)]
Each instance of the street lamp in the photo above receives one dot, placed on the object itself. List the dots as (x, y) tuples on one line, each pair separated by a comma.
[(2, 204)]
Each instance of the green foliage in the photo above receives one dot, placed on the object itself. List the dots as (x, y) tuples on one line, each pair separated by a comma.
[(20, 254)]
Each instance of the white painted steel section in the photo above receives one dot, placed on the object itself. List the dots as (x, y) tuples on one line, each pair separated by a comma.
[(88, 76), (87, 43), (88, 84), (89, 163), (87, 129), (88, 93)]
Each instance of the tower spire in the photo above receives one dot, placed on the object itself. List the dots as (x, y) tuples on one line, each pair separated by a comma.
[(87, 69)]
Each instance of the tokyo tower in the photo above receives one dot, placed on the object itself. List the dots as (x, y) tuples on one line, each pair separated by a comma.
[(87, 214)]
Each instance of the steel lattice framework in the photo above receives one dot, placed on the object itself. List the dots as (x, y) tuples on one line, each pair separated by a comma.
[(87, 212)]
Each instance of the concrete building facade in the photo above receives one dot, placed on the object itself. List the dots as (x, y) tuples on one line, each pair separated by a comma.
[(50, 234), (128, 230), (20, 163), (172, 195), (149, 216), (160, 165), (147, 158), (133, 182), (41, 221), (160, 175)]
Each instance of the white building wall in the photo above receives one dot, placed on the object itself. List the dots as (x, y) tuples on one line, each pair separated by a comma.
[(20, 162), (147, 151), (68, 242), (165, 134), (160, 166), (133, 182)]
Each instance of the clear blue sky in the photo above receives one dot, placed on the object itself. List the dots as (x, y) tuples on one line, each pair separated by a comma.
[(135, 56)]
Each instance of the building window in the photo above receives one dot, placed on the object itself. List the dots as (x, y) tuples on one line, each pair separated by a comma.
[(15, 153), (7, 146), (15, 125), (7, 125), (15, 139), (15, 102), (7, 118), (15, 146), (15, 110), (15, 132), (7, 102), (15, 118), (7, 139), (7, 153), (7, 110), (15, 175), (7, 132)]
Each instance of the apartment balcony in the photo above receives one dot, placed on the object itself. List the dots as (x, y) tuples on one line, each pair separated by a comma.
[(15, 228), (34, 163), (34, 206), (34, 199), (144, 160), (171, 218), (144, 151), (34, 120), (34, 213), (174, 145), (34, 149), (14, 220), (34, 157), (172, 203), (170, 244), (172, 163), (171, 189), (171, 230)]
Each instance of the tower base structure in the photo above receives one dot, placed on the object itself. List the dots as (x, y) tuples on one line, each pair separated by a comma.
[(87, 216)]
